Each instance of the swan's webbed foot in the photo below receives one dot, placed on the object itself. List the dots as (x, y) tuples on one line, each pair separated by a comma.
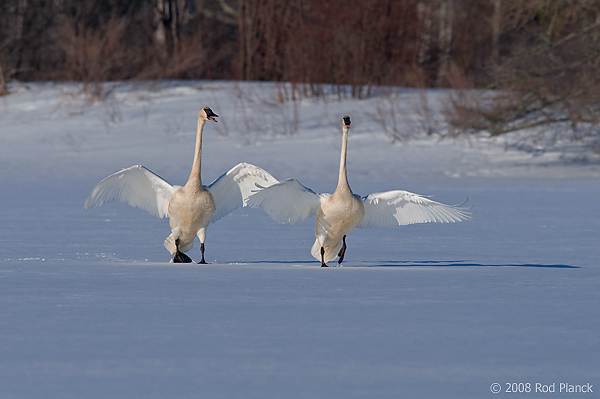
[(323, 264), (180, 257), (342, 250), (202, 261)]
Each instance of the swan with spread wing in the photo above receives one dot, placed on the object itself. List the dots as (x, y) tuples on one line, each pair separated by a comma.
[(339, 213), (190, 208)]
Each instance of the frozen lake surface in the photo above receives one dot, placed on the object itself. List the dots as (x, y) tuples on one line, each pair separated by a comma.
[(92, 308)]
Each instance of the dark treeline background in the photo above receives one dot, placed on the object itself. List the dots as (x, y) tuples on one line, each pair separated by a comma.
[(434, 43)]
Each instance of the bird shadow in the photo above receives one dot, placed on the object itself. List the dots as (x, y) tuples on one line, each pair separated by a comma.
[(281, 262), (463, 263), (416, 263)]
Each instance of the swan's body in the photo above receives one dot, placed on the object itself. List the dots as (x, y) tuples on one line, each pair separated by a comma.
[(339, 213), (190, 211), (190, 208)]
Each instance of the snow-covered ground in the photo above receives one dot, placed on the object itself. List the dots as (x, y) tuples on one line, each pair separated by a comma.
[(91, 308)]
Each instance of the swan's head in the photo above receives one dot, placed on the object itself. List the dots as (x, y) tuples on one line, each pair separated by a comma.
[(206, 113), (346, 122)]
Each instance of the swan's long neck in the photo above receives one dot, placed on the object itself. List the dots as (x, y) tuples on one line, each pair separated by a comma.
[(343, 178), (196, 166)]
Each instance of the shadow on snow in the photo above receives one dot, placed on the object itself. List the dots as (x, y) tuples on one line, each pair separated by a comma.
[(411, 263), (462, 263)]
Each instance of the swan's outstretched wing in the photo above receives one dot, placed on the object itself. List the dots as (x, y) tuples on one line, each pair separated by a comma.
[(399, 208), (232, 189), (136, 186), (288, 201)]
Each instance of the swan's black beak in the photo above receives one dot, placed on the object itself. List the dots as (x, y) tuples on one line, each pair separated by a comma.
[(211, 115), (346, 120)]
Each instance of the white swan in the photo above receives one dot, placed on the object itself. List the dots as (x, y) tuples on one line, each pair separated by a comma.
[(339, 213), (191, 207)]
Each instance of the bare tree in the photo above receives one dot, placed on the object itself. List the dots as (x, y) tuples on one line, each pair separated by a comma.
[(496, 16), (3, 89)]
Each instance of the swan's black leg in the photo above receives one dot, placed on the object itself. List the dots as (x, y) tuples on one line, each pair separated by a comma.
[(180, 257), (202, 250), (342, 250), (323, 264)]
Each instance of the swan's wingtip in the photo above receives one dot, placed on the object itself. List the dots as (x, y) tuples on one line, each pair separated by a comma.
[(89, 201), (462, 203), (466, 211)]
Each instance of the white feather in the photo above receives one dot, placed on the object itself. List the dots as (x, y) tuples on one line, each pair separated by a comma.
[(232, 189), (136, 186), (288, 201), (399, 208)]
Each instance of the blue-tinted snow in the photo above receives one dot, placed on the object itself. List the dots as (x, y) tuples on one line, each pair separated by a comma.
[(91, 308)]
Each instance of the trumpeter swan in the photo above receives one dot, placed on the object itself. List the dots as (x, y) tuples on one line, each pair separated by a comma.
[(339, 213), (191, 207)]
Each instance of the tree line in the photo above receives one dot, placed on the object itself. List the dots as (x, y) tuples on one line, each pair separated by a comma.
[(357, 42)]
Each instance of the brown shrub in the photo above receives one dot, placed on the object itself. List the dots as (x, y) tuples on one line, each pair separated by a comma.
[(547, 77)]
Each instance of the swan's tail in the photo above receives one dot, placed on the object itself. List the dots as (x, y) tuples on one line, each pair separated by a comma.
[(330, 252), (170, 244)]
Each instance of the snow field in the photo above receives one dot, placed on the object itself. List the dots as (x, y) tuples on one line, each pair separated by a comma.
[(92, 308)]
